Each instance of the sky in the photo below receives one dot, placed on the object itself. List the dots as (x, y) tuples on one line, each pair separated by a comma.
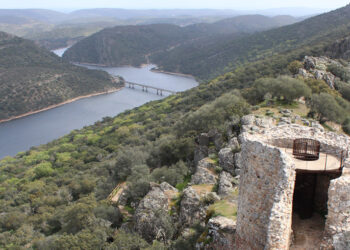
[(169, 4)]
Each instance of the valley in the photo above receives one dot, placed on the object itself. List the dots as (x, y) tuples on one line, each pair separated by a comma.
[(252, 152)]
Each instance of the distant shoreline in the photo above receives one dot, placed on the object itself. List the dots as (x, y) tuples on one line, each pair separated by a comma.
[(171, 73), (61, 104), (138, 67)]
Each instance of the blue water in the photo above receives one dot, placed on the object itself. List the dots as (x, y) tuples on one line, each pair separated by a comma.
[(21, 134)]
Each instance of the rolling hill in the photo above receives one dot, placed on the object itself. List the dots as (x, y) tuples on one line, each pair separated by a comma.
[(32, 78), (131, 45), (56, 196), (209, 60)]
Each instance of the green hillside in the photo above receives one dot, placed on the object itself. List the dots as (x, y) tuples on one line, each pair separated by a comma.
[(211, 59), (32, 78), (55, 196), (131, 45)]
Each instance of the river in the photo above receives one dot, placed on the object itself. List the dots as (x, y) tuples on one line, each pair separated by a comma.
[(21, 134)]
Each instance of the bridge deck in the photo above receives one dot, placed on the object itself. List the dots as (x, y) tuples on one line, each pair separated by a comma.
[(146, 87)]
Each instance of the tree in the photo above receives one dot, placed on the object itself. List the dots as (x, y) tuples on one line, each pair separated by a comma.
[(326, 107)]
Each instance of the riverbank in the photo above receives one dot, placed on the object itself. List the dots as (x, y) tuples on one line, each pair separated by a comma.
[(171, 73), (62, 103)]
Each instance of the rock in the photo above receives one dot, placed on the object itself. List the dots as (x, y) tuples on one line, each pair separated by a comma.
[(329, 78), (203, 174), (317, 125), (286, 120), (226, 186), (286, 112), (200, 153), (221, 231), (211, 198), (234, 144), (306, 122), (264, 122), (309, 63), (255, 129), (203, 139), (167, 187), (281, 124), (319, 74), (226, 160), (216, 138), (192, 210), (248, 120), (150, 218)]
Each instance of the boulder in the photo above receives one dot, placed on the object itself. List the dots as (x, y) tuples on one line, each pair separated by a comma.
[(226, 184), (234, 144), (248, 120), (204, 174), (200, 153), (226, 160), (221, 234), (203, 139), (216, 138), (329, 78), (309, 63), (192, 210), (151, 218)]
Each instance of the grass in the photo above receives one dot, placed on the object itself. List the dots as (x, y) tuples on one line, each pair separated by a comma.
[(203, 188), (224, 208)]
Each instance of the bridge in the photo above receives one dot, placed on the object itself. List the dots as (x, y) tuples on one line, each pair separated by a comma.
[(145, 88)]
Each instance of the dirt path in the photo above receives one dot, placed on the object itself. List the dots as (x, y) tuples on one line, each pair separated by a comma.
[(308, 233)]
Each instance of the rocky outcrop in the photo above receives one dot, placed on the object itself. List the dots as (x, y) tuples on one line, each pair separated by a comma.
[(316, 67), (201, 150), (226, 160), (192, 210), (221, 231), (204, 173), (151, 219), (226, 184)]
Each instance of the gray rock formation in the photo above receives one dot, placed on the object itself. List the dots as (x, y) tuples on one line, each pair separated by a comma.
[(192, 210), (226, 184), (204, 174), (222, 231), (201, 151), (226, 160), (234, 144), (151, 219)]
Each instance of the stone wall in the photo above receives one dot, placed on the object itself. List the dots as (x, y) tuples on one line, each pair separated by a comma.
[(265, 199), (261, 129), (337, 230)]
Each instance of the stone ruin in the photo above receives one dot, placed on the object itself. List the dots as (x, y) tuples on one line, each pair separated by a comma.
[(268, 181)]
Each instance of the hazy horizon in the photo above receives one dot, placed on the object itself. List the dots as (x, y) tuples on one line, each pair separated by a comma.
[(249, 5)]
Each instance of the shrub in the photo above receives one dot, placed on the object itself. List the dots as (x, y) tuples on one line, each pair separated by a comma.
[(339, 71), (346, 126), (283, 88), (294, 67), (326, 107), (344, 90), (44, 169), (173, 175)]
